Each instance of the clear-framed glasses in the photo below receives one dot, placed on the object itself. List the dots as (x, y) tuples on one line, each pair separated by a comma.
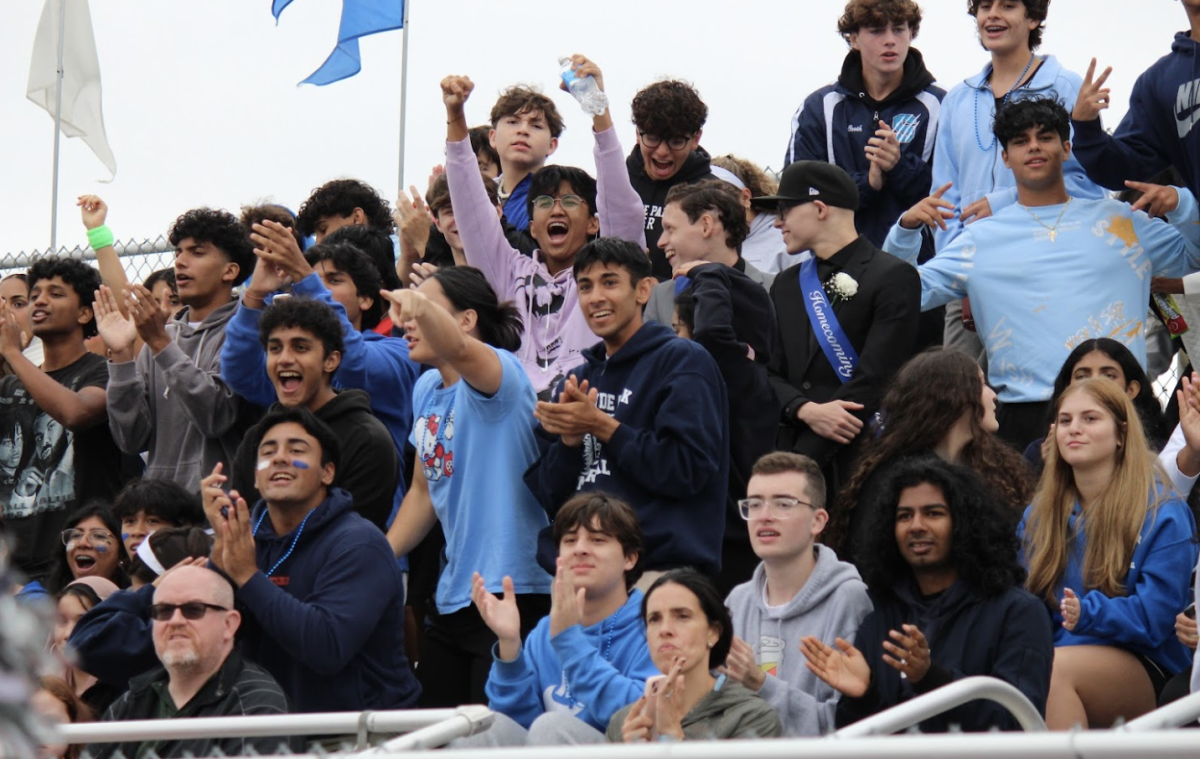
[(96, 537), (192, 610), (568, 202), (675, 143), (779, 508)]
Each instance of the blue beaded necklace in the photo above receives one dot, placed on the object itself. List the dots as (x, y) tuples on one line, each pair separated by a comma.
[(1007, 95), (292, 547), (607, 653)]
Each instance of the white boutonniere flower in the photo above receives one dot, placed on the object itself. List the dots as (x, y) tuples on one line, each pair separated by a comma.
[(841, 286)]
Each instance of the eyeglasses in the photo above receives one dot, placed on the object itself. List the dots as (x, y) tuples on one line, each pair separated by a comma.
[(675, 143), (782, 209), (568, 202), (96, 537), (191, 610), (780, 508)]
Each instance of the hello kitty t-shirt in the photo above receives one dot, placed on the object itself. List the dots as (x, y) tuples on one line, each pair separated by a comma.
[(473, 450)]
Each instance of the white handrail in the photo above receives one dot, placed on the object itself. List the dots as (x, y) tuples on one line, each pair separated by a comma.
[(324, 723), (466, 722), (1175, 714), (917, 710)]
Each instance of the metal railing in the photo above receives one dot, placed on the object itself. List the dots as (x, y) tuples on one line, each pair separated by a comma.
[(360, 724), (466, 721), (1175, 714), (917, 710)]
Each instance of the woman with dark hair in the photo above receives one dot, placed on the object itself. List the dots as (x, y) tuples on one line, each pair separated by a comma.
[(689, 632), (1110, 550), (474, 437), (1108, 359), (57, 702), (14, 294), (939, 404), (90, 549), (74, 601)]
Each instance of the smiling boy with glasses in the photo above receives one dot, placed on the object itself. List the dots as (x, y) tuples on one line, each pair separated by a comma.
[(800, 588), (669, 117), (565, 211)]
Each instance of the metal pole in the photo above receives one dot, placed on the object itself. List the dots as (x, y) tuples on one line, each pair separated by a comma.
[(403, 96), (62, 33)]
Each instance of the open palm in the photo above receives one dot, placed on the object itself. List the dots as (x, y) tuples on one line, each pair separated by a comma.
[(118, 332), (844, 669)]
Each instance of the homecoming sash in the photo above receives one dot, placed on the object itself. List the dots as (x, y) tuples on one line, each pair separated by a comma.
[(830, 337)]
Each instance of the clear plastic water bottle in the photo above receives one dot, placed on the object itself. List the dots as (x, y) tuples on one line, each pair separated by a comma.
[(584, 89)]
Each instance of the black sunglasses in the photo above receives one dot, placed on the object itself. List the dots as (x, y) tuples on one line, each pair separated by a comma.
[(191, 610)]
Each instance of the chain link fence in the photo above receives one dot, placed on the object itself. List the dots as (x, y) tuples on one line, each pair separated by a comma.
[(140, 259)]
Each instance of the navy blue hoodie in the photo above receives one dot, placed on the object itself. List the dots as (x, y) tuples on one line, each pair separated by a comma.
[(669, 458), (1158, 130), (329, 623)]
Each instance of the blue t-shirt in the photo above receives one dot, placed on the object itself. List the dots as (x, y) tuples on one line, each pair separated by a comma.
[(474, 450)]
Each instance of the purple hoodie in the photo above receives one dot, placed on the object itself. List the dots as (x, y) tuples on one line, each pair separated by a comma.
[(555, 330)]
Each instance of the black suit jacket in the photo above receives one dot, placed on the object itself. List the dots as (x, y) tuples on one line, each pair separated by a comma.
[(881, 323)]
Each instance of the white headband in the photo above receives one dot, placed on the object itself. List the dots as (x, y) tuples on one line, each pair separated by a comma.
[(146, 554), (728, 176)]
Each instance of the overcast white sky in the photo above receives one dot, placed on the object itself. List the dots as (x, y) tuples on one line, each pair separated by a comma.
[(202, 108)]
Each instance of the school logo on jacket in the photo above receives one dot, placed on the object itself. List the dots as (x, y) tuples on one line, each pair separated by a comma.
[(559, 699), (905, 126)]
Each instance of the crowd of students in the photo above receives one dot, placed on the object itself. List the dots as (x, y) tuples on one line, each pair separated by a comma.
[(667, 453)]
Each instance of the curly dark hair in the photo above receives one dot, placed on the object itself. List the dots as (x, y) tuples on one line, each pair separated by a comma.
[(349, 260), (77, 275), (377, 245), (165, 499), (925, 400), (876, 13), (1019, 116), (521, 98), (984, 546), (303, 313), (220, 229), (1035, 10), (670, 108), (261, 212), (716, 196), (548, 179), (1149, 409), (339, 198)]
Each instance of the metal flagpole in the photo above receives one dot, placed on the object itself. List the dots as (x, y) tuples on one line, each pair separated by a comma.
[(62, 33), (403, 94)]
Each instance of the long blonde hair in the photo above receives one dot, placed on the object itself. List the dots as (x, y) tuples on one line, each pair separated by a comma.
[(1111, 525)]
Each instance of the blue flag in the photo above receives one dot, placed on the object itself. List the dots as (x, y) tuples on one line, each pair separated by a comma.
[(359, 18)]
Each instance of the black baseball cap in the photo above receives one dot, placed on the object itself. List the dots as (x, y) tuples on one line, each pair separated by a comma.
[(805, 181)]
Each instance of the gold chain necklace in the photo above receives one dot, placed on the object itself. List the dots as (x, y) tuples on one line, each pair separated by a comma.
[(1052, 230)]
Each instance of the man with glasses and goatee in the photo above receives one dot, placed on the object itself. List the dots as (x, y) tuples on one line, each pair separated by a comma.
[(202, 675)]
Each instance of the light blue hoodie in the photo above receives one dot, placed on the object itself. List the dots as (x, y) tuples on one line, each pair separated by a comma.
[(1035, 299), (590, 672), (968, 112)]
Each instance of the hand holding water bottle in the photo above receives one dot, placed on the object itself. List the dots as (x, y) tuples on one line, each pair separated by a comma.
[(583, 80)]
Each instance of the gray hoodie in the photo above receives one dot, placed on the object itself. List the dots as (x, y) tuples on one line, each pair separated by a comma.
[(831, 605), (175, 406), (727, 712)]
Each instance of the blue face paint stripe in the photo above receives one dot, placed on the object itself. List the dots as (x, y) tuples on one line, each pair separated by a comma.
[(299, 464)]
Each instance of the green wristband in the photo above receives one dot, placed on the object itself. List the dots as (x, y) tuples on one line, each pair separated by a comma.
[(100, 237)]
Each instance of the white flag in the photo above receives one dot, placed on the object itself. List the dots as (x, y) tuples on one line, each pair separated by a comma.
[(81, 112)]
